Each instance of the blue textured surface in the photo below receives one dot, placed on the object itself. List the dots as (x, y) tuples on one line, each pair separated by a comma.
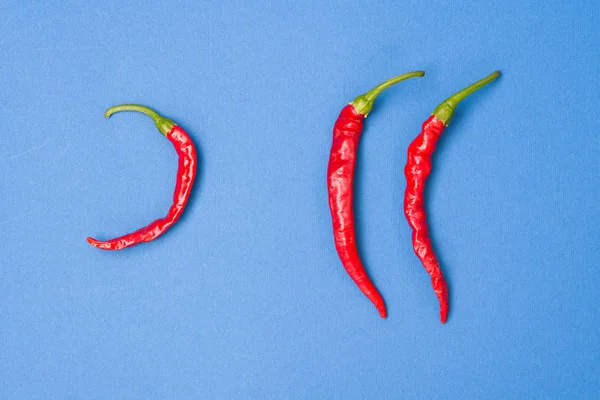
[(245, 297)]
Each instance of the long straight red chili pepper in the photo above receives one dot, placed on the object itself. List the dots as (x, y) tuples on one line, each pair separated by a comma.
[(417, 169), (186, 173), (340, 175)]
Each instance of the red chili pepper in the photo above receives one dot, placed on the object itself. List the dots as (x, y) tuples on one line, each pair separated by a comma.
[(340, 174), (185, 178), (417, 169)]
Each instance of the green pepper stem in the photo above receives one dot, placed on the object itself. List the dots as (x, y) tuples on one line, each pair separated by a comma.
[(364, 103), (445, 110), (164, 125)]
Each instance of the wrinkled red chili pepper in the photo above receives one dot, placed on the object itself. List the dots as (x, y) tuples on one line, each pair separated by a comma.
[(417, 169), (340, 175), (185, 179)]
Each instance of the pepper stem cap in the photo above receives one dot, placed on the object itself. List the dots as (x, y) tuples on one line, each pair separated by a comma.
[(164, 125), (364, 103), (445, 110)]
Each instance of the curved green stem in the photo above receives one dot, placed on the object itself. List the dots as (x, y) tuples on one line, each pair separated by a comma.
[(364, 103), (444, 111), (163, 124)]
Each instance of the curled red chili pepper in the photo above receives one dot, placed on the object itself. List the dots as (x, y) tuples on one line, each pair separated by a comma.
[(340, 175), (417, 169), (185, 179)]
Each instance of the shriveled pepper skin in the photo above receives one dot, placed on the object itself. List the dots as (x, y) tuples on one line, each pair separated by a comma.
[(346, 135), (186, 173), (417, 170)]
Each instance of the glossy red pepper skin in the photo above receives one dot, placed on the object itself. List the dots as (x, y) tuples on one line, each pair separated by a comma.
[(417, 170), (186, 174), (340, 173), (340, 177)]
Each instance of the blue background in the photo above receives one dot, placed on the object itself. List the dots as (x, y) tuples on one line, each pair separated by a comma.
[(245, 297)]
